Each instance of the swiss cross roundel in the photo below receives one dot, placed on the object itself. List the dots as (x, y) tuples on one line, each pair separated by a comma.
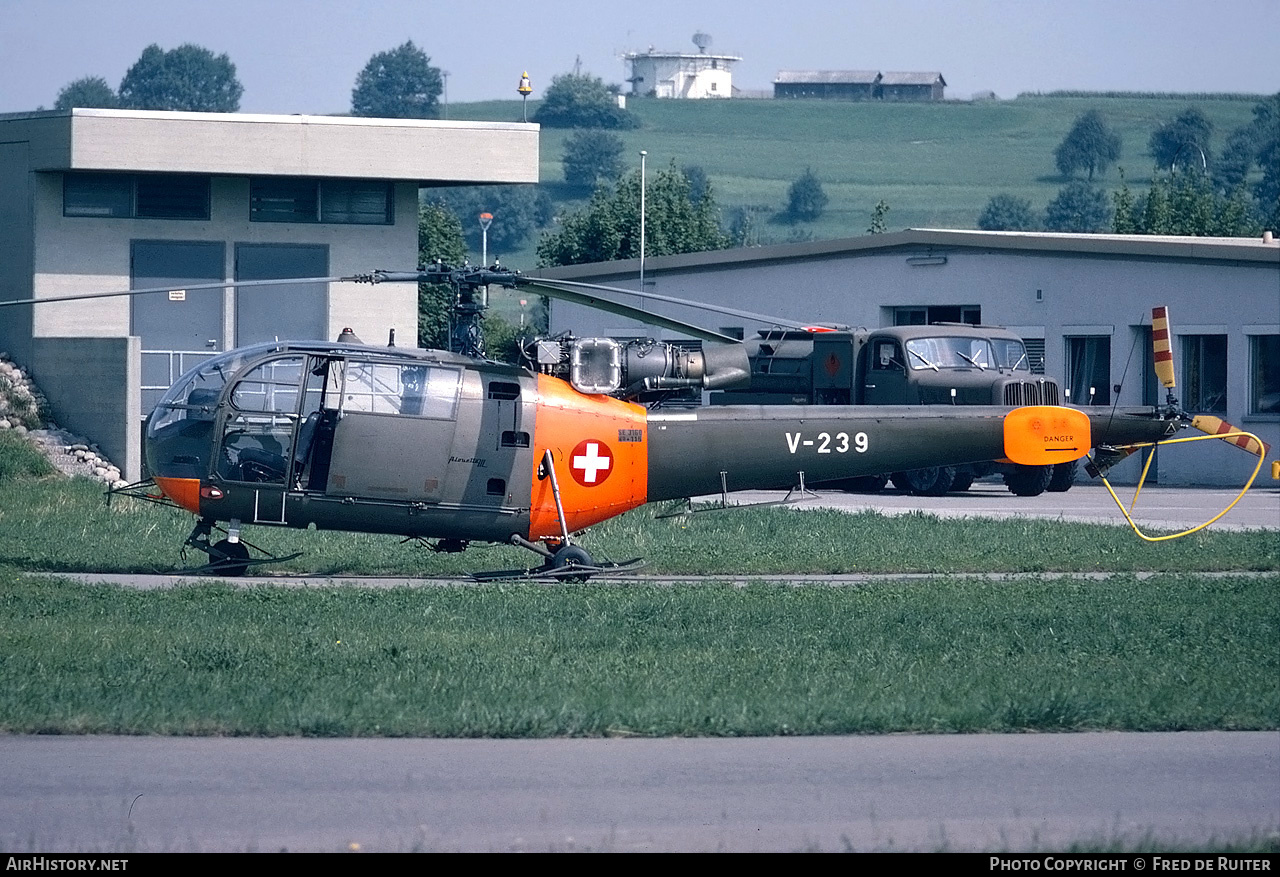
[(591, 462)]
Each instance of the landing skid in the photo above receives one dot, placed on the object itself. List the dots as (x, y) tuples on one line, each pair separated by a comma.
[(227, 557), (568, 573)]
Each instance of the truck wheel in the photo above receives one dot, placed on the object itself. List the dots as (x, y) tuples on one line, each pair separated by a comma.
[(864, 484), (930, 481), (1064, 475), (1028, 480), (963, 479)]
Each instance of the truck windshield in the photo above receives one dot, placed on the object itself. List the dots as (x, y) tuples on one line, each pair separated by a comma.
[(1011, 354), (948, 352)]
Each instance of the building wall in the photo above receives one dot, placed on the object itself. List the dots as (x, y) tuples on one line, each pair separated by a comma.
[(15, 249), (78, 254), (1049, 295), (97, 377), (676, 77)]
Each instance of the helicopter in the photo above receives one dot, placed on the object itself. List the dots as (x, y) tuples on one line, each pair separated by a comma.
[(450, 447)]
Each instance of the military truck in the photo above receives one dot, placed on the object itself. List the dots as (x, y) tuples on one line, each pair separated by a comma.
[(938, 364)]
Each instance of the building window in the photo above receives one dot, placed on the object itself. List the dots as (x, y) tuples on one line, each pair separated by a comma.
[(1089, 369), (934, 314), (1204, 375), (1264, 374), (136, 196), (345, 202)]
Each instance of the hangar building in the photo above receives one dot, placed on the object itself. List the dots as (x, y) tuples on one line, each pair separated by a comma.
[(95, 200), (1082, 302)]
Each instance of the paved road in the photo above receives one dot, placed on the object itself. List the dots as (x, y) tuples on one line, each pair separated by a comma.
[(1017, 793), (1157, 508)]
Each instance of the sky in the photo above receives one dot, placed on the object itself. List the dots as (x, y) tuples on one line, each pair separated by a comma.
[(303, 56)]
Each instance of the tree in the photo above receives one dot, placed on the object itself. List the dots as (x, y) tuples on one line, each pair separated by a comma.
[(877, 218), (89, 91), (579, 100), (608, 228), (805, 199), (398, 84), (592, 157), (1184, 141), (1007, 213), (1090, 145), (518, 211), (1078, 207), (1186, 203), (699, 185), (1255, 143), (439, 238), (189, 78)]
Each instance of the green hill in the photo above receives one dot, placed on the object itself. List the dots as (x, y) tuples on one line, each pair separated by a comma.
[(935, 164)]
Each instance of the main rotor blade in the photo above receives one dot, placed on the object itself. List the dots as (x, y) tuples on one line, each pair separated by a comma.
[(630, 312), (668, 299), (157, 289)]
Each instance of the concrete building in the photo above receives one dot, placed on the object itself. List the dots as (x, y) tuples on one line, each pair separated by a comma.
[(103, 200), (680, 74), (1082, 303)]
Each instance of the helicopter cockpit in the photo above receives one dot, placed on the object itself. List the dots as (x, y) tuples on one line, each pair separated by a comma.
[(268, 414)]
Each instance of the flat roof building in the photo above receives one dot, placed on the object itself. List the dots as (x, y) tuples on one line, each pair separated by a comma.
[(96, 200)]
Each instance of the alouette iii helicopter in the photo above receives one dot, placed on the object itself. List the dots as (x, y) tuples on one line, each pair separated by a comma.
[(449, 447)]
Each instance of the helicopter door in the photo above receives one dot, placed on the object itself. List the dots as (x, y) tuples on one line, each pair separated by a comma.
[(394, 431), (257, 430)]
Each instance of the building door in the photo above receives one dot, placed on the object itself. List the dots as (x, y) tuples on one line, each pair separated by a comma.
[(182, 327), (1089, 369), (292, 311)]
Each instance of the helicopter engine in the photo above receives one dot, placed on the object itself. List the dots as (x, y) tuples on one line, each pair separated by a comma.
[(640, 368)]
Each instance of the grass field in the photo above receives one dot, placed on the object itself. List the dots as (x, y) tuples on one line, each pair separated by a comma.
[(935, 164), (946, 653), (1174, 652)]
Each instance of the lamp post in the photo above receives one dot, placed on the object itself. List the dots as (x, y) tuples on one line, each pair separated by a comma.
[(444, 74), (485, 220), (643, 154), (524, 90)]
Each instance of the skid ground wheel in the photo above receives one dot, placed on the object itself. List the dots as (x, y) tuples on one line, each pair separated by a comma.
[(569, 556), (228, 558)]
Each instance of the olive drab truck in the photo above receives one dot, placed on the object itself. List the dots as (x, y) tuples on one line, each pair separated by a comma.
[(939, 364)]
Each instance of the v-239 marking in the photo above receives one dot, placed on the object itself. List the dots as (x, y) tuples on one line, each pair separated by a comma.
[(827, 443)]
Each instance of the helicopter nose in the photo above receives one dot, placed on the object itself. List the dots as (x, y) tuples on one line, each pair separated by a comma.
[(183, 491)]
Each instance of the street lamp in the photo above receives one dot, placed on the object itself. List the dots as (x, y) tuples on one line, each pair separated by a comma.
[(485, 220), (643, 154)]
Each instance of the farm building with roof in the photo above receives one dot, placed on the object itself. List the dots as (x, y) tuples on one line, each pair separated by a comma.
[(859, 85)]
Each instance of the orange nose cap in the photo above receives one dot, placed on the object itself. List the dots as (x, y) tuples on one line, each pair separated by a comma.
[(184, 491)]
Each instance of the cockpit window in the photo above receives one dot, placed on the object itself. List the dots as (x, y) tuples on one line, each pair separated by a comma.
[(395, 388), (271, 386)]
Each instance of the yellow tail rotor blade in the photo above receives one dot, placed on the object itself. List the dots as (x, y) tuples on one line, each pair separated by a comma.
[(1162, 343), (1217, 426)]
